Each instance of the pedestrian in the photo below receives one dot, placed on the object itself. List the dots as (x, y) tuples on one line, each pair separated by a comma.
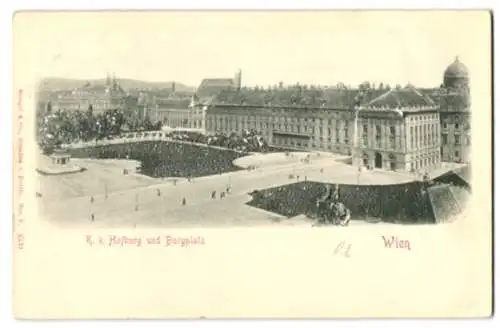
[(183, 201), (92, 217), (214, 194), (91, 199), (158, 192)]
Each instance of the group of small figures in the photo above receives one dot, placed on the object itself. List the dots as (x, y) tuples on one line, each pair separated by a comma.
[(222, 194), (292, 176), (330, 210)]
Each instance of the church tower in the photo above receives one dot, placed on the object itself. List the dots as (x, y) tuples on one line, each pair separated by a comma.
[(237, 80)]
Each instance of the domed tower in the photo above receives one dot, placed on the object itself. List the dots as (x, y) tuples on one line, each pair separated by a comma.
[(456, 75)]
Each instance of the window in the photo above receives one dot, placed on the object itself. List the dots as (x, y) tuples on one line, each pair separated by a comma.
[(445, 126), (457, 139), (412, 137), (457, 126), (444, 138), (378, 136), (457, 153), (392, 137), (426, 137), (364, 137), (420, 136)]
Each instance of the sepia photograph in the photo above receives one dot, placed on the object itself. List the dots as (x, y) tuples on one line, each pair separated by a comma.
[(116, 151), (201, 130)]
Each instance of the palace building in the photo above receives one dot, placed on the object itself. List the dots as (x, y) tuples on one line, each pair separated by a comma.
[(453, 98), (192, 113), (402, 129), (398, 131), (101, 97)]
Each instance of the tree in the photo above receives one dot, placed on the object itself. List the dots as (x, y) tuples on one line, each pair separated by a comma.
[(157, 126), (148, 126)]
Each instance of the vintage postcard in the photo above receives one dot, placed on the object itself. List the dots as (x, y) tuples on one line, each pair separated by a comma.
[(320, 164)]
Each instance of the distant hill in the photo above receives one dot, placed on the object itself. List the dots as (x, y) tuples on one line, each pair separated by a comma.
[(55, 83)]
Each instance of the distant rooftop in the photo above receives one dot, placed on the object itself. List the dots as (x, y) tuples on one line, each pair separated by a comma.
[(408, 98)]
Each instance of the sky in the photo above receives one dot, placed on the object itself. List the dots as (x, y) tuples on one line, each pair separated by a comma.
[(306, 47)]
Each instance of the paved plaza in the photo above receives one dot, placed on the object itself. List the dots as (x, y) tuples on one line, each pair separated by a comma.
[(135, 200)]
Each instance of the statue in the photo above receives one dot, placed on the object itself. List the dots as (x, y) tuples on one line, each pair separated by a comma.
[(329, 208), (342, 214)]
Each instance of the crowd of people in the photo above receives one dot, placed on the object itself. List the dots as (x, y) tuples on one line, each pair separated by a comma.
[(167, 159), (248, 141), (403, 203)]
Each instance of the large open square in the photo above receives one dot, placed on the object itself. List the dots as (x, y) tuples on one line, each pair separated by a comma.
[(115, 199)]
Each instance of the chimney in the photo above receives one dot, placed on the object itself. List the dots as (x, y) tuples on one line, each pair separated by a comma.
[(173, 87)]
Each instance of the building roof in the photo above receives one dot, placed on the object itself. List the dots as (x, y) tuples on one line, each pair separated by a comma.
[(60, 153), (456, 69), (450, 100), (408, 97), (299, 96), (172, 103), (211, 87), (465, 173), (224, 82), (94, 89)]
